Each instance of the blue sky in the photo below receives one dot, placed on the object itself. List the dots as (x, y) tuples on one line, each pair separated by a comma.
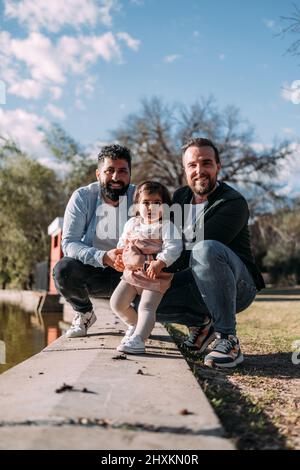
[(87, 63)]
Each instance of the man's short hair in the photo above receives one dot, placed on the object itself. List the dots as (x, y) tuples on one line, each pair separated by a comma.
[(115, 152), (201, 142)]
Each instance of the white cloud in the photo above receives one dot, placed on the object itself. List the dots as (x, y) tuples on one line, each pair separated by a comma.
[(222, 56), (29, 65), (89, 86), (108, 6), (56, 92), (8, 66), (48, 64), (56, 14), (105, 46), (196, 34), (86, 88), (291, 92), (28, 89), (25, 129), (171, 58), (79, 52), (130, 41), (55, 111), (40, 56)]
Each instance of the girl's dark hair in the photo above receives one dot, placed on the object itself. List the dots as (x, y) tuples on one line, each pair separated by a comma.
[(152, 187)]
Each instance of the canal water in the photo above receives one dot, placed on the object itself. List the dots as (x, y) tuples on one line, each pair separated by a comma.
[(23, 334)]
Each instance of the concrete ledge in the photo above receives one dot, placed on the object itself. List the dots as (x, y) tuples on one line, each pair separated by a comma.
[(149, 401), (89, 438)]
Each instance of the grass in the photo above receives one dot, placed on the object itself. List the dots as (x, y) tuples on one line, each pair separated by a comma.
[(258, 403)]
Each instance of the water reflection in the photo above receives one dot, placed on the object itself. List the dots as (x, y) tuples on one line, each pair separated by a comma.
[(23, 334)]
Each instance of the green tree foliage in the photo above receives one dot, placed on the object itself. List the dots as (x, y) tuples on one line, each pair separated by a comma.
[(80, 166), (276, 243), (31, 196)]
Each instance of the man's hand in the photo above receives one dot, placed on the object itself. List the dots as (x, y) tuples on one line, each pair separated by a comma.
[(110, 257), (119, 265), (155, 268)]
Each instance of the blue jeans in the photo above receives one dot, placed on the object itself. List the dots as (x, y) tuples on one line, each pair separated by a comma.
[(217, 283)]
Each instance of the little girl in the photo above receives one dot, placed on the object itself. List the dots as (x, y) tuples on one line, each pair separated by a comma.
[(144, 235)]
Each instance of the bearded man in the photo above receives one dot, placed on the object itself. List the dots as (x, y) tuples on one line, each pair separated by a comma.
[(216, 274), (94, 218)]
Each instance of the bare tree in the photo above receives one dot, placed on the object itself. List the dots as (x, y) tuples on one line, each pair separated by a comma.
[(292, 26), (150, 135), (158, 130)]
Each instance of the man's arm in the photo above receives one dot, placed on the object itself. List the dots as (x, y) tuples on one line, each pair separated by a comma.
[(74, 229)]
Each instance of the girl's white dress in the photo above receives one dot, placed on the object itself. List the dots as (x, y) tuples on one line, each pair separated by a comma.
[(140, 242)]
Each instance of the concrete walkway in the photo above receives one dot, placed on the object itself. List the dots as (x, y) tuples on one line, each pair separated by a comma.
[(150, 401)]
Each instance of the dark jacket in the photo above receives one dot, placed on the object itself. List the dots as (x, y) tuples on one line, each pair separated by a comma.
[(225, 220)]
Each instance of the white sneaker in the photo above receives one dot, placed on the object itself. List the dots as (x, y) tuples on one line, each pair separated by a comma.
[(129, 332), (80, 324), (134, 345)]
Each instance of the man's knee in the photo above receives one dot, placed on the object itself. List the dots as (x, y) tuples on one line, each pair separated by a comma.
[(64, 271), (206, 252)]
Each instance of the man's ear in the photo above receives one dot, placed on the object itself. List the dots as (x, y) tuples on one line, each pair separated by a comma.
[(98, 174)]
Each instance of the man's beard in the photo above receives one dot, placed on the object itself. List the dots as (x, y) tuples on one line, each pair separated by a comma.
[(113, 193), (204, 187)]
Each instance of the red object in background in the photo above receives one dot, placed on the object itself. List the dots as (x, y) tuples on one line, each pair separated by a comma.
[(55, 231), (52, 335)]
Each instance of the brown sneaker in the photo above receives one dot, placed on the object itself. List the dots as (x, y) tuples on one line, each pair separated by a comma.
[(226, 352), (199, 338)]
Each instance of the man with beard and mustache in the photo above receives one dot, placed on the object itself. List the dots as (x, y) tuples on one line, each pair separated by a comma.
[(217, 275), (95, 216)]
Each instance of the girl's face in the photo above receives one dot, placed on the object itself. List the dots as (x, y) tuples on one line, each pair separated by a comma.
[(150, 207)]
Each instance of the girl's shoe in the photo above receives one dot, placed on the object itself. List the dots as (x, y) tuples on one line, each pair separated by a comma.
[(134, 345), (129, 332)]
